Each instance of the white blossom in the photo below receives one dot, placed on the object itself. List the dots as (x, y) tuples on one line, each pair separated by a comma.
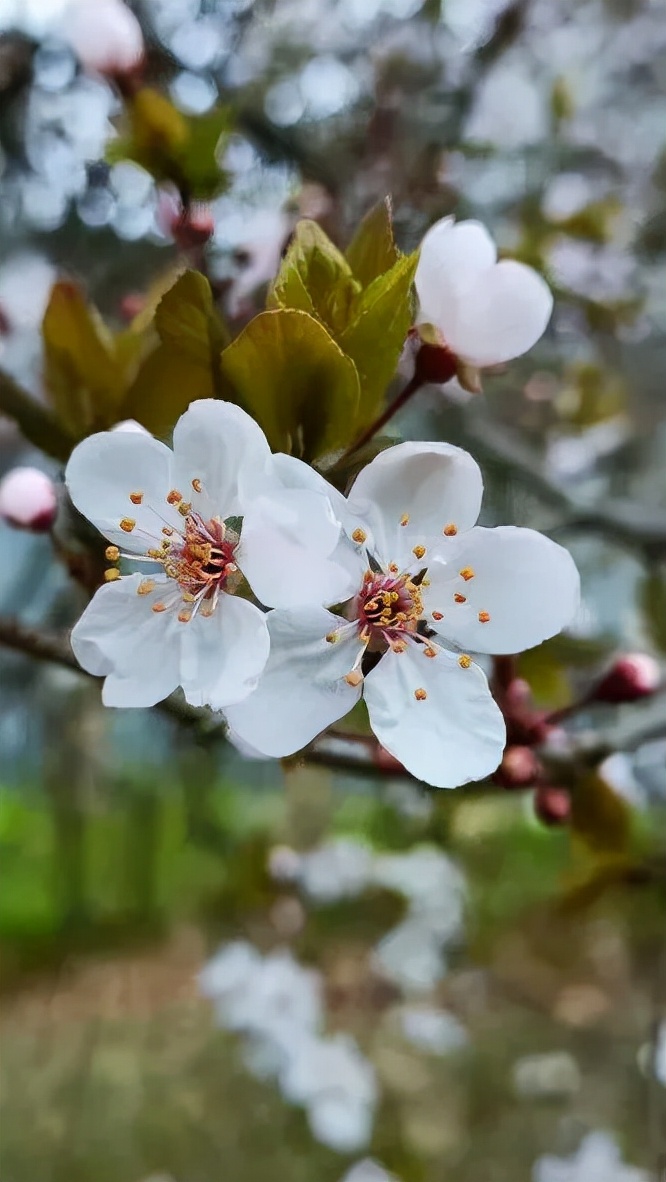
[(104, 34), (598, 1159), (486, 311), (336, 1085), (179, 512), (431, 588), (368, 1170)]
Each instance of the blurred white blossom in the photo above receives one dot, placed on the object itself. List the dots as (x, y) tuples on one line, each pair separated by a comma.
[(598, 1159)]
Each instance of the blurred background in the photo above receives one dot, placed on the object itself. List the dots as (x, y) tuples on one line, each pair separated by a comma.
[(216, 968)]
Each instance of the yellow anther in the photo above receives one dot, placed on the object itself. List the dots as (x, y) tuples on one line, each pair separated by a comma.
[(188, 597), (404, 520), (420, 695), (332, 637), (438, 615), (359, 535), (429, 651), (450, 530), (185, 508), (166, 544), (425, 582), (146, 586), (111, 574), (207, 610), (484, 617), (466, 573), (399, 646), (174, 497), (159, 607), (460, 598), (419, 551), (197, 485), (155, 554), (127, 524), (464, 661), (112, 554), (167, 531), (184, 616), (394, 597), (136, 498), (394, 568), (354, 678)]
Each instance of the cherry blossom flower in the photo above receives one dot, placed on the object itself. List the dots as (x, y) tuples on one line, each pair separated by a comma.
[(598, 1160), (179, 512), (431, 587), (486, 312), (28, 500)]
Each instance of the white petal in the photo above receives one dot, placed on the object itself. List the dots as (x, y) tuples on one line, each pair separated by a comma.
[(102, 473), (454, 735), (451, 255), (219, 445), (303, 688), (501, 315), (223, 655), (527, 584), (433, 484), (121, 636), (286, 548)]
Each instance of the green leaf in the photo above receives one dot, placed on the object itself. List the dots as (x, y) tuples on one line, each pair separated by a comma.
[(653, 603), (372, 251), (547, 676), (84, 380), (315, 277), (375, 338), (289, 373), (37, 423), (185, 364), (599, 817), (172, 146)]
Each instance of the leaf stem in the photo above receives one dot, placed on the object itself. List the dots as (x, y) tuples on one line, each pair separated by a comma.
[(387, 414)]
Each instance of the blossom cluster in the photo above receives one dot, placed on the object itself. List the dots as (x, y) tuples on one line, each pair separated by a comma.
[(269, 595)]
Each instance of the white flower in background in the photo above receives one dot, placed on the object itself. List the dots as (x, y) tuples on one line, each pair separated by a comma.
[(660, 1055), (336, 1085), (597, 1160), (368, 1170), (341, 869), (436, 1032), (178, 511), (28, 500), (431, 587), (486, 312), (104, 34)]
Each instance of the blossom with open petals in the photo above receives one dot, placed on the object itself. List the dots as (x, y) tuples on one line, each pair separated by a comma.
[(179, 511), (486, 311), (431, 587)]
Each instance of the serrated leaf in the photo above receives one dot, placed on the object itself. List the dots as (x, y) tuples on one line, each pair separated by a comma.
[(653, 603), (286, 369), (372, 251), (84, 379), (36, 422), (376, 336), (315, 277), (185, 364)]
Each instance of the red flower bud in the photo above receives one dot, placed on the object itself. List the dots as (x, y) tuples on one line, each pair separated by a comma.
[(520, 768), (189, 226), (552, 805), (633, 676), (28, 500), (435, 363)]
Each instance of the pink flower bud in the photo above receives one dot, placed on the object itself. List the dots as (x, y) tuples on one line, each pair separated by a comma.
[(435, 363), (552, 805), (105, 35), (387, 762), (519, 768), (189, 227), (28, 500), (633, 676)]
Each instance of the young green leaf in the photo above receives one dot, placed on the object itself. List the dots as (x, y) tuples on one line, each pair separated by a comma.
[(83, 376), (315, 277), (289, 373), (372, 251)]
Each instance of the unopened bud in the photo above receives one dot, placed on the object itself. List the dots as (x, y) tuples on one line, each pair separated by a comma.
[(28, 500), (189, 226), (552, 805), (519, 768), (105, 36), (633, 676), (435, 363)]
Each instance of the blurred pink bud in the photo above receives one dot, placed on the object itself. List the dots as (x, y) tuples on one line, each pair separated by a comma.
[(552, 805), (189, 227), (132, 304), (28, 500), (519, 768), (105, 35), (633, 676), (388, 762)]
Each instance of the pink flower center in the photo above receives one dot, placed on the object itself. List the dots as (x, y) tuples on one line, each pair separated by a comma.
[(388, 607)]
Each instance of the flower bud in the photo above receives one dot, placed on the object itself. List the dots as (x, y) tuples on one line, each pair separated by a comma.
[(387, 762), (189, 226), (105, 36), (552, 805), (633, 676), (435, 363), (28, 500), (520, 768)]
